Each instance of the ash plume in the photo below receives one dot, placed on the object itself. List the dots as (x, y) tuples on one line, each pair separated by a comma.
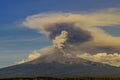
[(60, 40), (75, 35), (79, 33)]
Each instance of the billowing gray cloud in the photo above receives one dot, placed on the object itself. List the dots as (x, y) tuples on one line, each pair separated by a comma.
[(75, 35)]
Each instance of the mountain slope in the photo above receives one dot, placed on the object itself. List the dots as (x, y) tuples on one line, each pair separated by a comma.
[(60, 64)]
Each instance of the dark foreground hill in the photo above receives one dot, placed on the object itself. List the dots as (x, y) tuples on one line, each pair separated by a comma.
[(60, 70), (58, 64), (65, 78)]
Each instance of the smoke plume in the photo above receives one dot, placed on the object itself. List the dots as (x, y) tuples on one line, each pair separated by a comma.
[(60, 40), (80, 32), (75, 35)]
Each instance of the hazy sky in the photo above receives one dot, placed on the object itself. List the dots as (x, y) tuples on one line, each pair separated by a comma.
[(16, 41)]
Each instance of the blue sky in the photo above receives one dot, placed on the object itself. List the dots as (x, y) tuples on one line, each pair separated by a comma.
[(16, 41)]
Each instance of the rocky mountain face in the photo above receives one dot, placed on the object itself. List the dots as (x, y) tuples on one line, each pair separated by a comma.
[(57, 63)]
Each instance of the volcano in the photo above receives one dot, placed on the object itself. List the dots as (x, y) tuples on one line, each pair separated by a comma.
[(58, 63)]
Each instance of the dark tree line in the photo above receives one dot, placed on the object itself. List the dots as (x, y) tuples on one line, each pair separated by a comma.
[(50, 78)]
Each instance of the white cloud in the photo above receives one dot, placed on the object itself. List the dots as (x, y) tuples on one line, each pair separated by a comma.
[(111, 59), (34, 55)]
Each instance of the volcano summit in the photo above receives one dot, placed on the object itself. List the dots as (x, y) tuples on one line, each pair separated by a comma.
[(60, 64)]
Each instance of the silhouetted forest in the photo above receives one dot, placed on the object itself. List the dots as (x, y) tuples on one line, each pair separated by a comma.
[(50, 78)]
